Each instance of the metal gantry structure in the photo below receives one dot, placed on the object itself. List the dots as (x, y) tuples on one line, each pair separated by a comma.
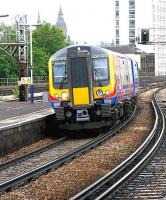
[(16, 47), (22, 21)]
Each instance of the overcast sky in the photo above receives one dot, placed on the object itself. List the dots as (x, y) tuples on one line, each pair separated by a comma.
[(87, 20)]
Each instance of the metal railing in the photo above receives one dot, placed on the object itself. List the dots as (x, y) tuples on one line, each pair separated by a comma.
[(8, 81), (14, 81)]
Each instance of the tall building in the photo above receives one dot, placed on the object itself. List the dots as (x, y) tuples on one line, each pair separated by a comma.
[(61, 22), (125, 22), (159, 34)]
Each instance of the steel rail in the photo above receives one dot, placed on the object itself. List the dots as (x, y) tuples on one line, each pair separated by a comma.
[(30, 154), (139, 165), (8, 185), (124, 166)]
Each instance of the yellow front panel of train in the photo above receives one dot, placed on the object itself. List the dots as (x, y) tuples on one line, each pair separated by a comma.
[(81, 96)]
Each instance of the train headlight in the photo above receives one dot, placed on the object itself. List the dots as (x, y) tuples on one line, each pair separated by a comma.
[(107, 92), (68, 114), (56, 96), (64, 95), (98, 112), (99, 93)]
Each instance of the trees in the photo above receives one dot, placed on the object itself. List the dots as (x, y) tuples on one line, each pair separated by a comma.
[(47, 39), (8, 68)]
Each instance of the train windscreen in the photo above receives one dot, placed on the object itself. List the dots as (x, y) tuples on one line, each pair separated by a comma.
[(100, 66), (60, 72)]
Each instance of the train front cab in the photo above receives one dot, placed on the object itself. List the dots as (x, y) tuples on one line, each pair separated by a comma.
[(80, 84), (89, 94)]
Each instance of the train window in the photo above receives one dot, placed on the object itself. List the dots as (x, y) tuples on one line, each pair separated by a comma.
[(79, 72), (100, 66), (136, 71), (60, 72)]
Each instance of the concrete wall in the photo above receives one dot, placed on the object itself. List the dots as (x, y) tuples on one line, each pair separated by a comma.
[(15, 136)]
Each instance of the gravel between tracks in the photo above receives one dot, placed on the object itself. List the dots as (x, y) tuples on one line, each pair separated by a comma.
[(71, 178), (24, 150)]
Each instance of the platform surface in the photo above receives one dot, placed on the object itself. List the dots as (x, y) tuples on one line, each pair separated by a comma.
[(16, 112)]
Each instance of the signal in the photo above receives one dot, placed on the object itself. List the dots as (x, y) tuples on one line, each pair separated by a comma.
[(144, 36)]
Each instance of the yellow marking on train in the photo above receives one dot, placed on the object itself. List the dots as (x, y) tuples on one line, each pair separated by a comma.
[(81, 96)]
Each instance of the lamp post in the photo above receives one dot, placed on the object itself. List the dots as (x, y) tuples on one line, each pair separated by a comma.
[(4, 15), (31, 67), (31, 64)]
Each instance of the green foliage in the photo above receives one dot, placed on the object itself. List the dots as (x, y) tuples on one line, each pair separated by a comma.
[(40, 61), (15, 92), (8, 33), (8, 68), (47, 39)]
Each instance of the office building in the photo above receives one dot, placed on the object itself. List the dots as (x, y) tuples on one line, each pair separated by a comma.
[(159, 34), (125, 22)]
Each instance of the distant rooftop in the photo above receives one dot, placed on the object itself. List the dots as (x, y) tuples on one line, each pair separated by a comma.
[(126, 49)]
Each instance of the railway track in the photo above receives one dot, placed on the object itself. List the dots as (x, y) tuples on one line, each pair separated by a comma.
[(150, 183), (106, 187), (31, 154), (32, 162), (8, 181)]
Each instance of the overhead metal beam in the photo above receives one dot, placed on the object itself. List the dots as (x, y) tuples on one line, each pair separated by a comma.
[(12, 43)]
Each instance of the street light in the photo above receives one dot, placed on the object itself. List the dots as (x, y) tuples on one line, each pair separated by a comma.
[(31, 64), (31, 67), (4, 15)]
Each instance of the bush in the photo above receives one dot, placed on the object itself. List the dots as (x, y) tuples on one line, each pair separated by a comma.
[(15, 92)]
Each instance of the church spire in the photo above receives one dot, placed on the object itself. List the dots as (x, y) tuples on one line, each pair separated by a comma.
[(38, 18), (61, 23)]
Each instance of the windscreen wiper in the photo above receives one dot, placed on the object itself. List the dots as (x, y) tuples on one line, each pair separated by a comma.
[(62, 81), (98, 77)]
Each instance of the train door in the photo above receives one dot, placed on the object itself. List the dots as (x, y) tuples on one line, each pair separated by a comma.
[(118, 78), (80, 78), (135, 76)]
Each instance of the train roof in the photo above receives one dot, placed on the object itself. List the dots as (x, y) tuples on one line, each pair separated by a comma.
[(95, 51), (91, 48)]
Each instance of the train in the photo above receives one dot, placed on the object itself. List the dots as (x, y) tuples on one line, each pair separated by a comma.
[(91, 87)]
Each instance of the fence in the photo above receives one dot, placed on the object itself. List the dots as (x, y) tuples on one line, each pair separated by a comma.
[(14, 81)]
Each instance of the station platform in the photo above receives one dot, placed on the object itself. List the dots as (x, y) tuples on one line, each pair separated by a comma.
[(22, 123), (14, 112)]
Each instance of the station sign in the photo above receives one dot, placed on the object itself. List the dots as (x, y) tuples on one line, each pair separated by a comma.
[(25, 80)]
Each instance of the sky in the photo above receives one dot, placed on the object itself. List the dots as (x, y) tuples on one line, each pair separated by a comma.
[(90, 21)]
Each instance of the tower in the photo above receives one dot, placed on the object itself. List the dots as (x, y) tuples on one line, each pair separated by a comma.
[(125, 22), (61, 23), (38, 18)]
